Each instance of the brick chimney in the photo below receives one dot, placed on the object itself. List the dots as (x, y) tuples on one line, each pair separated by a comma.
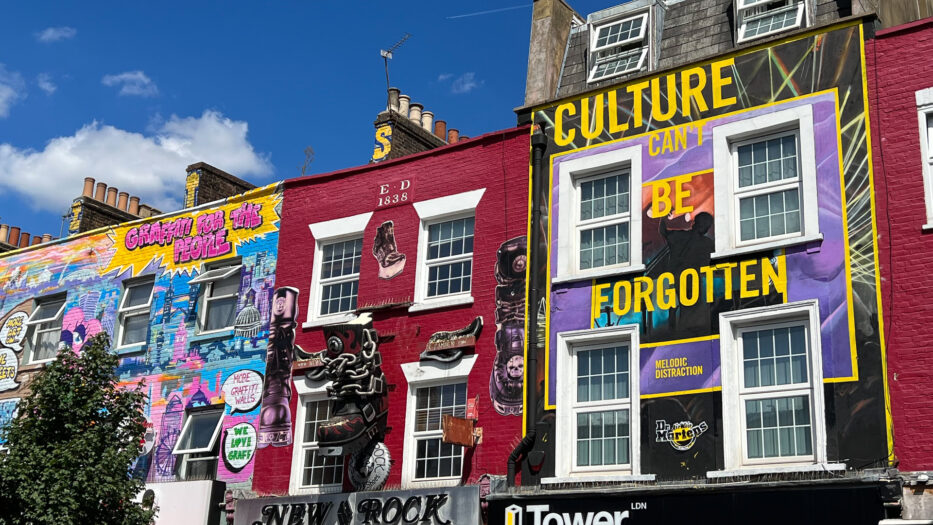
[(405, 128), (551, 21), (107, 207), (205, 183)]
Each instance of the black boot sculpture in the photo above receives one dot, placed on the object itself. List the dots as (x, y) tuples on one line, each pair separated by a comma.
[(505, 383), (275, 422)]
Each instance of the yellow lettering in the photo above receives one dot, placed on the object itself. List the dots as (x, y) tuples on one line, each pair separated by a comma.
[(699, 127), (770, 275), (692, 93), (636, 91), (720, 82), (618, 294), (745, 278), (693, 288), (656, 112), (680, 138), (668, 146), (598, 299), (681, 193), (660, 194), (614, 125), (652, 149), (667, 297), (591, 129), (728, 277), (643, 294), (559, 138), (709, 282)]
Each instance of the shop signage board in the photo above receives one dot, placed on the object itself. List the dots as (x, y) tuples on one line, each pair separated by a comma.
[(437, 506)]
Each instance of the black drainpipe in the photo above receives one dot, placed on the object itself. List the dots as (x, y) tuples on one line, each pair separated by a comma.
[(538, 145)]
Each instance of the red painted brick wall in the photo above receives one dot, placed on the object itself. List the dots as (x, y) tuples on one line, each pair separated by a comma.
[(497, 162), (898, 65)]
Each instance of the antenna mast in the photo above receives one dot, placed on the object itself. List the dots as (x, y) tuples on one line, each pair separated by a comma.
[(386, 54)]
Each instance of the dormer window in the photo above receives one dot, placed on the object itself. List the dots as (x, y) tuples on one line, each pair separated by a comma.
[(759, 18), (618, 47)]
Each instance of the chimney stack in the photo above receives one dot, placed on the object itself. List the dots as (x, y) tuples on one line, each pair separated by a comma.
[(134, 206), (414, 113), (404, 101), (88, 187), (101, 192), (440, 129), (551, 21), (46, 237), (427, 121), (393, 98), (24, 240), (112, 196), (4, 232), (14, 236), (36, 240), (122, 200), (453, 135)]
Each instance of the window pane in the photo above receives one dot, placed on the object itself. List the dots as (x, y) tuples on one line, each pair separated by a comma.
[(780, 358), (604, 246), (199, 432), (617, 63), (619, 31), (135, 328), (138, 294), (609, 195), (603, 374), (341, 258), (228, 286), (771, 21), (603, 438), (46, 344), (47, 310), (435, 459), (220, 313), (321, 470), (769, 215), (339, 297), (436, 401), (451, 278), (778, 427), (450, 238)]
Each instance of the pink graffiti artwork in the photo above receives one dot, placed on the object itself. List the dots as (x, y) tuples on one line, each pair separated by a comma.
[(76, 330)]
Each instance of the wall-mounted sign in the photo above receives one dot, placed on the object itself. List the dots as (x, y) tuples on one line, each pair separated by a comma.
[(437, 506), (243, 390), (383, 142), (9, 367), (395, 194), (13, 331), (681, 435), (239, 446), (458, 431), (307, 361), (446, 346)]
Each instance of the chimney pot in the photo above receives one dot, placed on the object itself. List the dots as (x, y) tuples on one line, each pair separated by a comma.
[(88, 187), (112, 196), (24, 240), (427, 121), (440, 129), (46, 237), (14, 236), (101, 192), (134, 206), (393, 98), (414, 113), (36, 240), (453, 135), (403, 102), (122, 201), (4, 232)]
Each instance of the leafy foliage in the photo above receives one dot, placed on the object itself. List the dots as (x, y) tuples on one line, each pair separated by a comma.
[(72, 445)]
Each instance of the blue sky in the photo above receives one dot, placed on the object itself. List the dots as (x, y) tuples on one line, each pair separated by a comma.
[(132, 92)]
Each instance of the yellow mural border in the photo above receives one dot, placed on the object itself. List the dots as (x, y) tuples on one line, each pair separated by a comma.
[(528, 274), (681, 393), (548, 405)]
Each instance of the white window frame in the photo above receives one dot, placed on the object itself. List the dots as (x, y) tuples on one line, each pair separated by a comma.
[(749, 10), (433, 211), (569, 344), (731, 326), (33, 324), (182, 455), (307, 391), (924, 111), (422, 375), (640, 44), (725, 165), (324, 233), (570, 175), (123, 311), (211, 273)]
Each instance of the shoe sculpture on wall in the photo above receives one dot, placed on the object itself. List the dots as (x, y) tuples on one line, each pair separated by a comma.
[(275, 422), (385, 250), (358, 396)]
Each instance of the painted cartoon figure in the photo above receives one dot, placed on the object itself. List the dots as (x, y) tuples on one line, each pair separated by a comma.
[(505, 382), (76, 330), (385, 250)]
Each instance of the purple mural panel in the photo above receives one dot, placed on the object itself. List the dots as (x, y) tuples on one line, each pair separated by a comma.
[(678, 368)]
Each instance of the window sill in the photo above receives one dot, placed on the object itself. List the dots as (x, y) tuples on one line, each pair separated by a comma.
[(765, 246), (214, 334), (441, 303), (775, 469), (322, 321), (130, 349), (592, 478), (597, 274), (927, 227), (414, 484)]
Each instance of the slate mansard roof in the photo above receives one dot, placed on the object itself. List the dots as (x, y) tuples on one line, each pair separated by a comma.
[(684, 31)]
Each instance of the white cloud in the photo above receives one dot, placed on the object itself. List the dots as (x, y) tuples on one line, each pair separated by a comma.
[(151, 166), (12, 90), (465, 83), (132, 83), (443, 77), (44, 80), (54, 34)]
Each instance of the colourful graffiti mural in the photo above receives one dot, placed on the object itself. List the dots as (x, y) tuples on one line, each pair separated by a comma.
[(212, 273)]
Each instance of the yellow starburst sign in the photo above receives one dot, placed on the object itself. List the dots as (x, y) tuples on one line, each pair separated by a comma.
[(181, 243)]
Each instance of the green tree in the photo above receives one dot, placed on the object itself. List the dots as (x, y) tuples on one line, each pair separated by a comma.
[(72, 444)]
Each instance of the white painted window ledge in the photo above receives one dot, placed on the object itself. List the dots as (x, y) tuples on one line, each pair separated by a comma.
[(321, 321), (619, 478), (598, 274), (775, 469), (766, 246), (441, 303)]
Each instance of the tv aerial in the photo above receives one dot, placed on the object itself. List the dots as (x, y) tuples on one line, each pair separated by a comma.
[(386, 54)]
